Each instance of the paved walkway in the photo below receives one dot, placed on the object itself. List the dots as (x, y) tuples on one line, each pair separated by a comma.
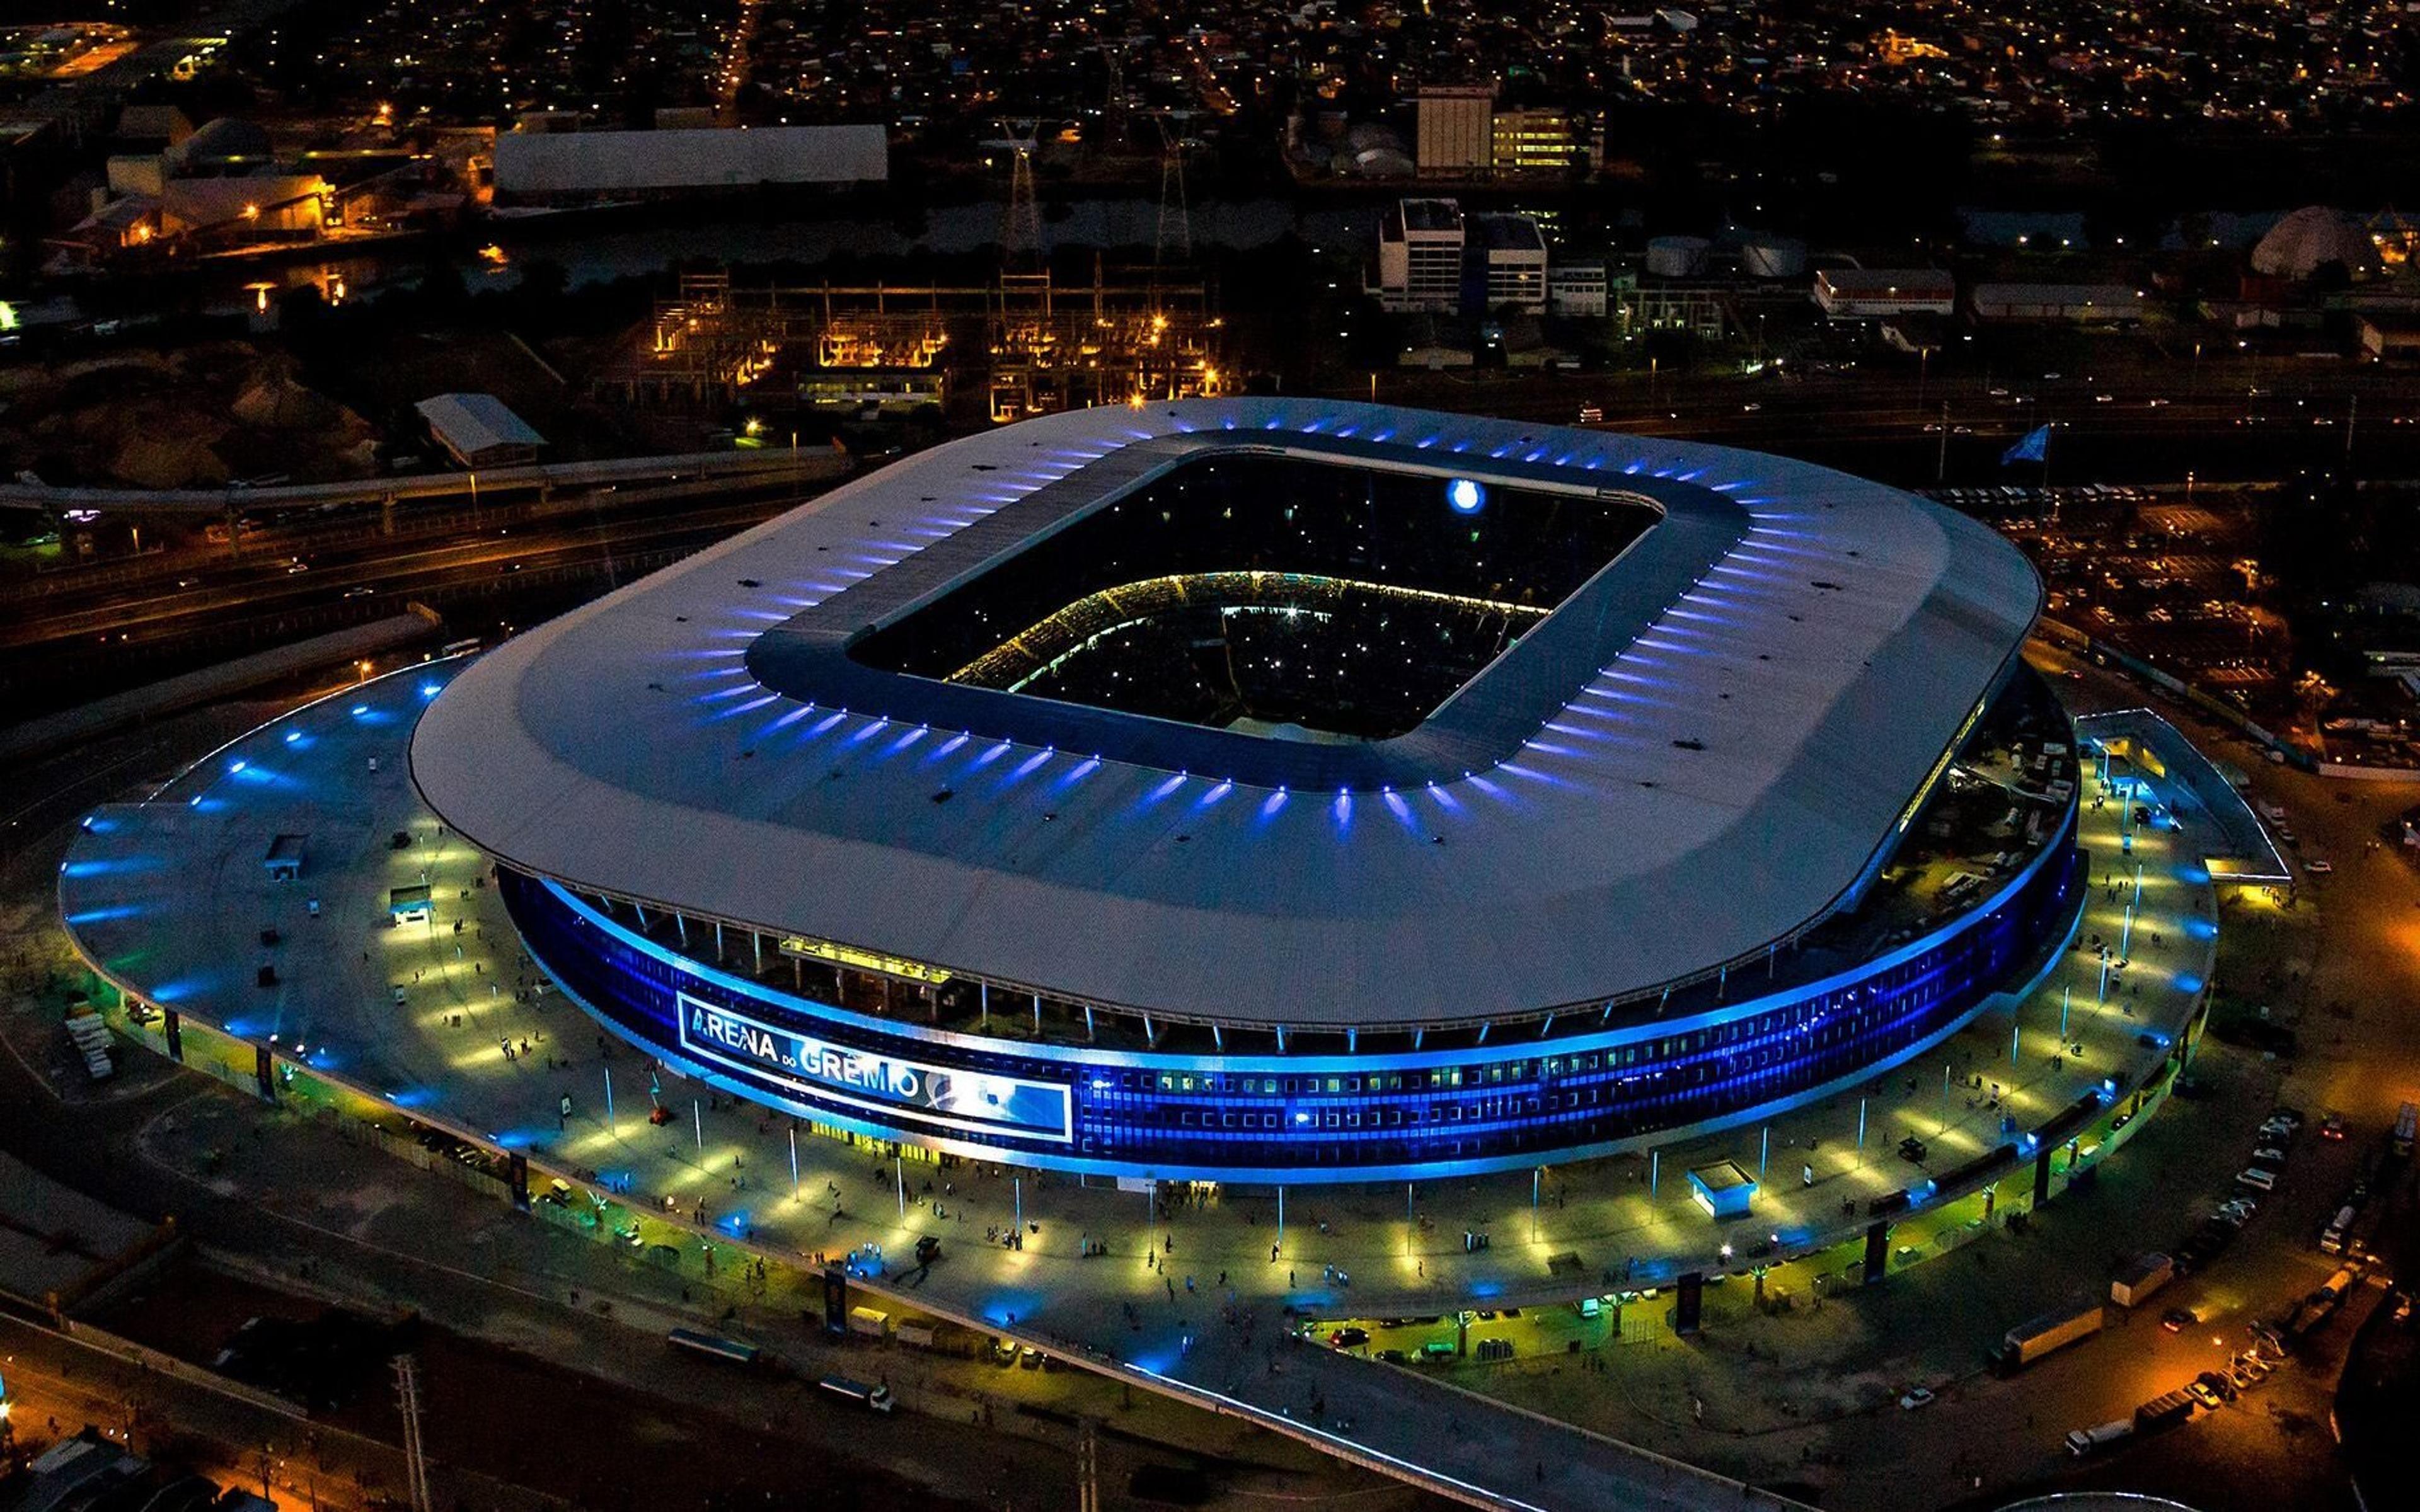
[(440, 1019)]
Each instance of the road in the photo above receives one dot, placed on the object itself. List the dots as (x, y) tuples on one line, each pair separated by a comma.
[(214, 502), (78, 634), (272, 586)]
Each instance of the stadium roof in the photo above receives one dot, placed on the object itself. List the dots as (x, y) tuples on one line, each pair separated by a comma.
[(1699, 755)]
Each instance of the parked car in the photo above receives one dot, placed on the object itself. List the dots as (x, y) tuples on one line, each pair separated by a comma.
[(1917, 1396)]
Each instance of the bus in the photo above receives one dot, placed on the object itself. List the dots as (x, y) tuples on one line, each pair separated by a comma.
[(2405, 1123), (707, 1343), (876, 1397)]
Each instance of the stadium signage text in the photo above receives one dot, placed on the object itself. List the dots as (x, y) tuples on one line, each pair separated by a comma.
[(951, 1098)]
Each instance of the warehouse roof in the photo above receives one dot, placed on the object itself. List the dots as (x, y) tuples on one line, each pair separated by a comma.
[(472, 425)]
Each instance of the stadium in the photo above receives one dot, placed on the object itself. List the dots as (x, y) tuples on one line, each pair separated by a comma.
[(1274, 791)]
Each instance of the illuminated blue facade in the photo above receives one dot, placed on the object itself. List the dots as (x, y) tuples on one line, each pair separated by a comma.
[(1297, 1118), (1558, 827)]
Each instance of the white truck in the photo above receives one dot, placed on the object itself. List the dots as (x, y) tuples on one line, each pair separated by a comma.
[(869, 1322), (2143, 1275), (2028, 1342), (2082, 1442)]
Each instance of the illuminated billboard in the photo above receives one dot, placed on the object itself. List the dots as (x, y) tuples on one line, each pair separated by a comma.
[(974, 1102)]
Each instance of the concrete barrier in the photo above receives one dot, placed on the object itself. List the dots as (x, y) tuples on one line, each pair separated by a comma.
[(174, 695)]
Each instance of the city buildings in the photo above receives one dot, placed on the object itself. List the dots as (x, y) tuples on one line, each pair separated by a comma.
[(1420, 258), (1539, 141), (1434, 260), (1509, 258), (1457, 131), (1579, 291)]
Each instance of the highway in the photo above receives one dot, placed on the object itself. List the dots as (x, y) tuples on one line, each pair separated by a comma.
[(82, 633), (271, 586), (543, 477)]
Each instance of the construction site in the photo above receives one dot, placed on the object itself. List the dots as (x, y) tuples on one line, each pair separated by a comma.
[(1026, 341)]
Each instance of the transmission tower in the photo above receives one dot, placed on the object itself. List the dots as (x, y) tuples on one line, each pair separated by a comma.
[(1174, 214), (1020, 234), (415, 1458)]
